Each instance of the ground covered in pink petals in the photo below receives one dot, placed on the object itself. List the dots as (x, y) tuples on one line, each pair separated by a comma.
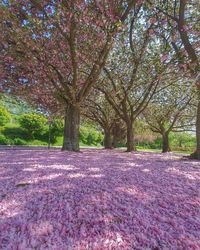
[(98, 199)]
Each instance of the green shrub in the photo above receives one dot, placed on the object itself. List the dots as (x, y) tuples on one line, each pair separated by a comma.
[(12, 132), (18, 141), (4, 140), (5, 116), (90, 135), (56, 130), (57, 127), (183, 139), (34, 124)]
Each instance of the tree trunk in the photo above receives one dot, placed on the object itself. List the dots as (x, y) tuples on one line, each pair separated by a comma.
[(165, 143), (130, 138), (71, 128), (116, 132), (196, 154), (114, 141), (107, 139)]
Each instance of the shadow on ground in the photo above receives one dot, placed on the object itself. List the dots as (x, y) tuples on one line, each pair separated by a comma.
[(98, 199)]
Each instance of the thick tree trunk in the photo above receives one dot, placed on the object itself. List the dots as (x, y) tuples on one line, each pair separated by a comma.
[(71, 128), (165, 143), (196, 154), (107, 139), (130, 138)]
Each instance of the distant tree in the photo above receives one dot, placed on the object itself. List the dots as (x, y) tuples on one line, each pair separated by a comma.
[(98, 110), (183, 139), (118, 133), (143, 134), (132, 75), (15, 105), (169, 111)]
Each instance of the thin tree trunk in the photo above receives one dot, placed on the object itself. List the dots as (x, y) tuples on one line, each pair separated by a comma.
[(107, 139), (117, 134), (198, 130), (165, 143), (71, 128), (114, 134), (114, 141), (130, 138), (196, 154)]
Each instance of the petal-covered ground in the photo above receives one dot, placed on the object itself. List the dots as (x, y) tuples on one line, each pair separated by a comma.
[(98, 199)]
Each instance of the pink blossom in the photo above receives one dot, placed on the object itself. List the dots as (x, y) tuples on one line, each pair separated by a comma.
[(49, 10), (153, 20), (164, 21), (164, 57), (151, 32), (98, 199)]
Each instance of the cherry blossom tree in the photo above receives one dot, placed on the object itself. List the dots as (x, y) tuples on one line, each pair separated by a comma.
[(53, 52), (97, 109), (132, 75), (170, 111), (176, 22)]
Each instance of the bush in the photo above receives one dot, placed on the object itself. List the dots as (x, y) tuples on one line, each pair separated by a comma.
[(18, 141), (90, 136), (33, 123), (183, 139), (4, 140), (5, 116), (12, 132), (57, 128)]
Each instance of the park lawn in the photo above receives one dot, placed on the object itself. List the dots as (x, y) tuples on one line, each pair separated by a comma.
[(185, 152), (150, 150), (98, 199)]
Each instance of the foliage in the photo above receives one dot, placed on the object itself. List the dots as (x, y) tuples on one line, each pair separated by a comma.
[(19, 141), (4, 140), (53, 53), (5, 116), (52, 45), (15, 105), (182, 140), (90, 136), (13, 131), (57, 127), (33, 124)]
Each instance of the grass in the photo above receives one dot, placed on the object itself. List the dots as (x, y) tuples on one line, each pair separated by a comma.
[(159, 151), (59, 141)]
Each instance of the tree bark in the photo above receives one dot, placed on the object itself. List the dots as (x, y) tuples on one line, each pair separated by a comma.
[(115, 135), (114, 141), (130, 138), (196, 154), (71, 128), (198, 130), (165, 143), (107, 139)]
